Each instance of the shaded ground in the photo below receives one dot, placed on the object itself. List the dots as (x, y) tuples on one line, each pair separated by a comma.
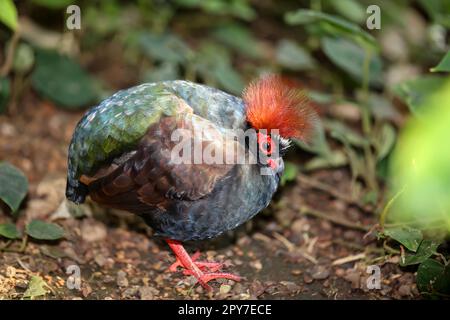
[(283, 253)]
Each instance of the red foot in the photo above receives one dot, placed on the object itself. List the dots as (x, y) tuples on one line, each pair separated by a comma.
[(202, 265), (197, 268)]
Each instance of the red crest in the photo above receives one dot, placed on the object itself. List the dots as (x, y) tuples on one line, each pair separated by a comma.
[(275, 103)]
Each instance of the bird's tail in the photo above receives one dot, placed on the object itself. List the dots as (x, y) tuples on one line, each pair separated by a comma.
[(76, 191)]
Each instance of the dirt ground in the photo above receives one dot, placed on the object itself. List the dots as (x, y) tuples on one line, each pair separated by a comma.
[(283, 253)]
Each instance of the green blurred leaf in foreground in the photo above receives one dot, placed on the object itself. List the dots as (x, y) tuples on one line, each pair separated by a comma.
[(416, 91), (421, 165), (9, 230), (8, 13), (44, 231), (13, 185), (62, 80), (444, 65)]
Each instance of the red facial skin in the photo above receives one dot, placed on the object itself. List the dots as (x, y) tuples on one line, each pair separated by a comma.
[(263, 139)]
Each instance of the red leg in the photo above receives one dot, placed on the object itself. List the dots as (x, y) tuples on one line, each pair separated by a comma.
[(196, 268)]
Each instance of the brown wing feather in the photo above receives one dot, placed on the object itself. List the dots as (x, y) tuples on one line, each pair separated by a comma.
[(149, 178)]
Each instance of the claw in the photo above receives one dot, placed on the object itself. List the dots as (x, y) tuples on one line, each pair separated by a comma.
[(197, 268)]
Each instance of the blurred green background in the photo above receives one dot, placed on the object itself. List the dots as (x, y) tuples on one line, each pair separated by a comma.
[(366, 83)]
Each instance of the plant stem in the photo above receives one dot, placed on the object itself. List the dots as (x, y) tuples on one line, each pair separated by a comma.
[(383, 214), (6, 67)]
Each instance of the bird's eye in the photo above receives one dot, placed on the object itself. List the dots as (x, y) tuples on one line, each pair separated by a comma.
[(265, 145)]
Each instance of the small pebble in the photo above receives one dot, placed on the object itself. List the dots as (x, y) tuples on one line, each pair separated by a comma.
[(320, 273), (122, 280)]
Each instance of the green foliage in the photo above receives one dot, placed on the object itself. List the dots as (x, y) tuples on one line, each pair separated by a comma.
[(239, 39), (165, 47), (36, 288), (13, 185), (444, 65), (53, 4), (350, 9), (426, 249), (415, 92), (292, 56), (62, 80), (289, 174), (433, 278), (9, 230), (409, 237), (350, 57), (331, 24), (421, 164), (5, 91), (213, 64), (8, 14), (23, 59), (41, 230), (237, 8)]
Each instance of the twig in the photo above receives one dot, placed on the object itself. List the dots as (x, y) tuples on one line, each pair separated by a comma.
[(21, 249), (6, 67), (332, 218), (330, 190), (291, 248), (347, 259)]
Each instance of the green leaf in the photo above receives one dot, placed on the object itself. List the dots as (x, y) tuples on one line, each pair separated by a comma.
[(420, 166), (165, 47), (444, 65), (289, 174), (53, 4), (409, 237), (318, 144), (340, 131), (9, 230), (386, 140), (213, 64), (292, 56), (13, 185), (426, 249), (62, 80), (336, 159), (8, 14), (5, 91), (36, 288), (351, 9), (239, 39), (350, 57), (238, 8), (24, 58), (338, 25), (166, 71), (433, 277), (415, 92), (44, 231)]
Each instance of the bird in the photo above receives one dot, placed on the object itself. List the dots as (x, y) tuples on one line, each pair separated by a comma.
[(122, 156)]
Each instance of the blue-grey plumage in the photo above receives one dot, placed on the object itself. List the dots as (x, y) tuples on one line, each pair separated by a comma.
[(117, 148)]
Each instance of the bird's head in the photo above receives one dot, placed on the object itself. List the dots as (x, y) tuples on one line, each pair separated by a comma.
[(278, 110)]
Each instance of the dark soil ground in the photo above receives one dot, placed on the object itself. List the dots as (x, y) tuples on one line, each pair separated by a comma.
[(284, 253)]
